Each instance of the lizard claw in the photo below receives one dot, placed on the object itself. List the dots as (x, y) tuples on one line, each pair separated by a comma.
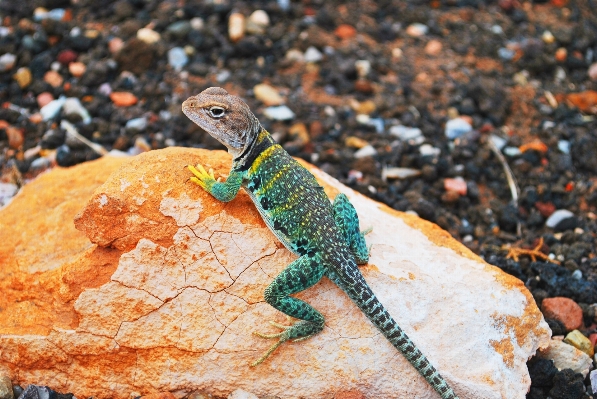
[(201, 177)]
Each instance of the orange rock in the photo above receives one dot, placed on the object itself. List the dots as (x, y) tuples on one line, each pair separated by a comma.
[(561, 54), (433, 47), (77, 69), (123, 98), (345, 31), (565, 310), (585, 101), (534, 145), (175, 274), (53, 78)]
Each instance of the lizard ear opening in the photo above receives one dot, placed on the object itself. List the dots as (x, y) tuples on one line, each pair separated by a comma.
[(217, 112)]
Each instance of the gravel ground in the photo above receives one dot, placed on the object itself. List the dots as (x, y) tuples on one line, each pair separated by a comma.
[(477, 115)]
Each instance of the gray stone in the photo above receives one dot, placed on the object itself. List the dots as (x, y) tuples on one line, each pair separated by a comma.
[(5, 388)]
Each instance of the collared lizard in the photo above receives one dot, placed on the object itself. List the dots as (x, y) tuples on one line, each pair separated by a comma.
[(325, 236)]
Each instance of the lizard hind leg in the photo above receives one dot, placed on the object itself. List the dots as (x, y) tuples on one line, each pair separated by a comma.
[(347, 220), (298, 276)]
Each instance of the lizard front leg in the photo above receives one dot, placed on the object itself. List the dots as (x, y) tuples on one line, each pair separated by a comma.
[(225, 191), (298, 276)]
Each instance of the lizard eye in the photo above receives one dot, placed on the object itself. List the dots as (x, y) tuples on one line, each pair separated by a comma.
[(217, 112)]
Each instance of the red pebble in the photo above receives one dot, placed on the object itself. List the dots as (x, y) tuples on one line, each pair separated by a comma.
[(345, 31), (545, 208), (565, 310), (593, 338), (65, 57), (457, 185), (44, 98)]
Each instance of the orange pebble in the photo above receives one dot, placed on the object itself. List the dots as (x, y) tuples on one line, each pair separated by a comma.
[(123, 98), (345, 31), (534, 145)]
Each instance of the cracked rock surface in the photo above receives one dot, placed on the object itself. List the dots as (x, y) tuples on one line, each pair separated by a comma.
[(167, 296)]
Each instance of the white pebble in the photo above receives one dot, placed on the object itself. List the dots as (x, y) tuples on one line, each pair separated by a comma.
[(564, 146), (7, 62), (593, 377), (236, 26), (7, 191), (295, 55), (197, 23), (279, 113), (406, 133), (72, 105), (223, 76), (363, 67), (313, 55), (177, 58), (512, 151), (577, 274), (52, 108), (137, 124), (556, 217), (399, 173), (366, 151), (457, 127), (417, 30), (257, 22), (429, 150), (148, 35)]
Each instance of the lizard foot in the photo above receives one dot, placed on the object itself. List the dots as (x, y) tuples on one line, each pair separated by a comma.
[(202, 178), (283, 336)]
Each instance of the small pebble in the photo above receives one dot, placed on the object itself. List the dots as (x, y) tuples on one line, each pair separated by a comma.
[(148, 36), (506, 53), (345, 31), (40, 163), (405, 133), (565, 310), (512, 152), (51, 109), (53, 78), (429, 150), (593, 378), (580, 342), (279, 113), (65, 57), (458, 185), (223, 76), (236, 27), (457, 127), (44, 99), (123, 98), (77, 69), (115, 45), (268, 95), (548, 37), (295, 55), (179, 29), (566, 356), (417, 30), (137, 124), (555, 218), (593, 72), (23, 77), (177, 58), (197, 23), (564, 146), (363, 67), (313, 55), (561, 54), (72, 106), (355, 142), (433, 47), (7, 62), (366, 151), (399, 173), (257, 22)]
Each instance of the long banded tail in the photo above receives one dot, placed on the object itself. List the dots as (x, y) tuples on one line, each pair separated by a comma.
[(365, 299)]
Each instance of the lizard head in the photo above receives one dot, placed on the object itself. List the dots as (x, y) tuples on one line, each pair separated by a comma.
[(225, 117)]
